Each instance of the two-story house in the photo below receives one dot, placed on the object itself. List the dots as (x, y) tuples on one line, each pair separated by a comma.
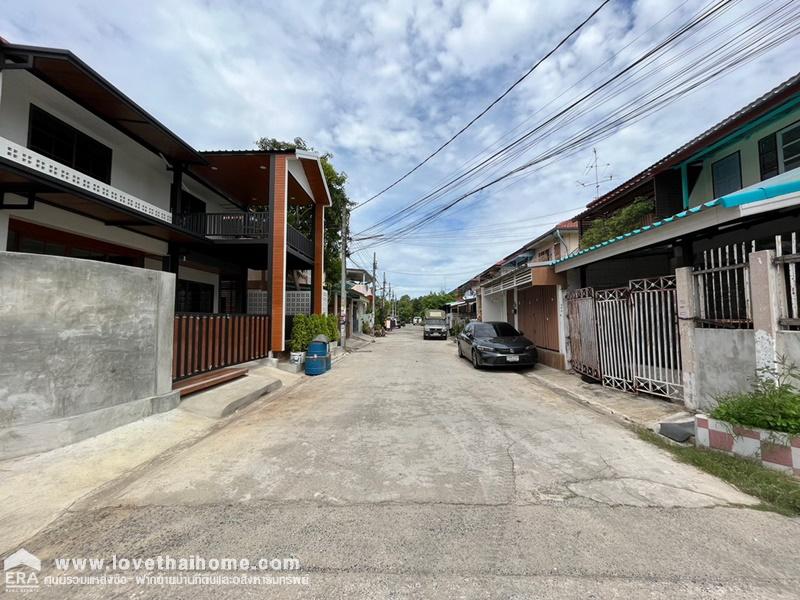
[(131, 264), (523, 290), (87, 173), (756, 147), (637, 321)]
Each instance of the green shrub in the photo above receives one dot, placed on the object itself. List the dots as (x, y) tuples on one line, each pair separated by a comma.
[(624, 220), (772, 403), (301, 333), (332, 327), (306, 327)]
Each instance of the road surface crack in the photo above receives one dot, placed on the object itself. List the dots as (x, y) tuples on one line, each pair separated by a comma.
[(513, 473)]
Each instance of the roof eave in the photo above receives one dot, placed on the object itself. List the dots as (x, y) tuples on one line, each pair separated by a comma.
[(63, 54)]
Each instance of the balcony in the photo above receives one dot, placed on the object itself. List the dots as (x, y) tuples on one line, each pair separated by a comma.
[(75, 181), (241, 226), (233, 225)]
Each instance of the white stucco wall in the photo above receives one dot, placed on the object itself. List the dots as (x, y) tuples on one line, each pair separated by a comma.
[(214, 202), (748, 154), (134, 169), (787, 345), (494, 307)]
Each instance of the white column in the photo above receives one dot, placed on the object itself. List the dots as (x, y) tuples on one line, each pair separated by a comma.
[(563, 324), (687, 312), (516, 311), (767, 298), (3, 230)]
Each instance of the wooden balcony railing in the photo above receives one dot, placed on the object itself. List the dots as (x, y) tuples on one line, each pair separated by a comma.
[(204, 342), (244, 225), (298, 242), (226, 225)]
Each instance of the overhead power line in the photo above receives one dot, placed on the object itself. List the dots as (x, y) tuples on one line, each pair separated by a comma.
[(768, 31), (693, 23), (489, 107)]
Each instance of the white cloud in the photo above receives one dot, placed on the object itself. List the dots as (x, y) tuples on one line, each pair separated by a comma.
[(381, 84)]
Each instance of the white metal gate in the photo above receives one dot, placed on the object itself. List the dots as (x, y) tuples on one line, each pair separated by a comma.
[(637, 338), (614, 333), (656, 341)]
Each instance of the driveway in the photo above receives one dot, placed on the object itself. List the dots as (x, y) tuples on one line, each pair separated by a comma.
[(404, 472)]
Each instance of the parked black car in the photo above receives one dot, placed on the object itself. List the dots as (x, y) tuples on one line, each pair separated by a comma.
[(495, 343)]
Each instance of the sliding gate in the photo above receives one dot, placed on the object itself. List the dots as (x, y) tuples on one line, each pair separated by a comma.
[(635, 333)]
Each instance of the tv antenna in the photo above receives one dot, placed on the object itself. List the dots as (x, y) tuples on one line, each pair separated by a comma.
[(599, 177)]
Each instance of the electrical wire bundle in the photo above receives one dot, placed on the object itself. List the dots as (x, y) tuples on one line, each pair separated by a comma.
[(702, 49)]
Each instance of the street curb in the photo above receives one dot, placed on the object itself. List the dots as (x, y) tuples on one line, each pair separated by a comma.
[(597, 407)]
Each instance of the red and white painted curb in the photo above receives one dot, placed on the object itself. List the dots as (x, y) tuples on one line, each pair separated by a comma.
[(774, 449)]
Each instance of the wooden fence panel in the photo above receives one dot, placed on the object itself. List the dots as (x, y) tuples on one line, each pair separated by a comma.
[(204, 342)]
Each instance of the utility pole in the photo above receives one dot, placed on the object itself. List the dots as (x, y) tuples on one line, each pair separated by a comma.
[(383, 298), (343, 290), (374, 268)]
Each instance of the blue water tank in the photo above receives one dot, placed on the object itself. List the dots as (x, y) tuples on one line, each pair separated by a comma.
[(315, 365), (317, 348)]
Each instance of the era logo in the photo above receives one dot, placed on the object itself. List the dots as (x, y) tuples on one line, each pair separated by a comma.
[(20, 571)]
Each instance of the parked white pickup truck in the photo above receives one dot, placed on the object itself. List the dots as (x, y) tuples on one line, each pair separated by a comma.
[(435, 325)]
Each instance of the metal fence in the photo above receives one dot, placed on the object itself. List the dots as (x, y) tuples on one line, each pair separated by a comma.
[(722, 281), (787, 257)]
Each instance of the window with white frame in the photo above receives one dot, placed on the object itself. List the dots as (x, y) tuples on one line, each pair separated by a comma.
[(789, 148)]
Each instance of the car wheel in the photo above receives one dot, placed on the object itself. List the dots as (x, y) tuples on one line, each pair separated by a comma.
[(475, 362)]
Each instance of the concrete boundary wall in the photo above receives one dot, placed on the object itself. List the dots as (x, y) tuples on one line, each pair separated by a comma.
[(722, 361), (725, 364), (85, 346)]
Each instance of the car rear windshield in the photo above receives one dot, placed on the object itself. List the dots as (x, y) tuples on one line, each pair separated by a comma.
[(434, 321), (495, 330)]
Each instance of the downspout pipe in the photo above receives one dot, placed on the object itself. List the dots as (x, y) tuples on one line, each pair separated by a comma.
[(563, 242)]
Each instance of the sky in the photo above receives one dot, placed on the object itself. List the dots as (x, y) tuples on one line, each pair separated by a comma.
[(380, 85)]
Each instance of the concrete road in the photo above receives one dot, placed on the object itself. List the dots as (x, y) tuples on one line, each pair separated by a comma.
[(404, 472)]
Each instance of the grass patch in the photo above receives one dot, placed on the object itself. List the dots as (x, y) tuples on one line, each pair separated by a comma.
[(778, 492)]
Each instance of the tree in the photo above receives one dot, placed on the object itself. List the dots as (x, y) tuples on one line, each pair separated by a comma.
[(405, 309), (420, 304), (300, 217)]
